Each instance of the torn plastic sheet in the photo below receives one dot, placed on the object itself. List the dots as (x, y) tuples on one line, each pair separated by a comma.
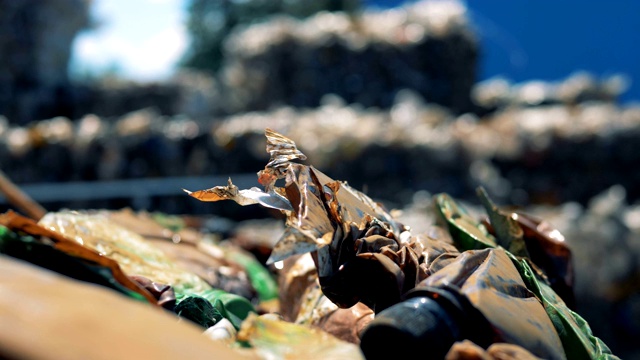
[(351, 237), (282, 150), (292, 242), (317, 207), (243, 197), (509, 234)]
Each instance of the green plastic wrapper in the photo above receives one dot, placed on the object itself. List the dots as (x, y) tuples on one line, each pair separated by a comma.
[(575, 334), (233, 307), (199, 310), (260, 277), (468, 233)]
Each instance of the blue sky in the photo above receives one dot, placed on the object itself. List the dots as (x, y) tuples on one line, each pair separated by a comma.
[(521, 40), (549, 39), (142, 39)]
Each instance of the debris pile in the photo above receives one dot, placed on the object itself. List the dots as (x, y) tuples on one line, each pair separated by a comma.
[(523, 154), (341, 281), (477, 278)]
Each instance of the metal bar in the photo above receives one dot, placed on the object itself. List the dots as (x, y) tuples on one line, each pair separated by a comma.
[(129, 188), (18, 198)]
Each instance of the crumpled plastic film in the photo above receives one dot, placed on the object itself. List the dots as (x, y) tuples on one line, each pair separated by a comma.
[(64, 255), (279, 339), (130, 250)]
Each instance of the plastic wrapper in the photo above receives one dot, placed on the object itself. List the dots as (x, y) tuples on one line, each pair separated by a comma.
[(23, 238), (303, 302), (199, 254), (135, 255), (279, 339), (491, 282), (138, 257), (163, 293), (298, 273)]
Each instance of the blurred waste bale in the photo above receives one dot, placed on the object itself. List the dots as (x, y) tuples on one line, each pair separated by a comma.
[(364, 58), (579, 87), (193, 94), (114, 97), (523, 153)]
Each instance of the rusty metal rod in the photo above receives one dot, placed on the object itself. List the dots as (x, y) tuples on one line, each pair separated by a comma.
[(20, 199)]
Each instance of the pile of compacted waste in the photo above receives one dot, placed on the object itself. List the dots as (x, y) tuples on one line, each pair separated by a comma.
[(523, 154), (343, 277)]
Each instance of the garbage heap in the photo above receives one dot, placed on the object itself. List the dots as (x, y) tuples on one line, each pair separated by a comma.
[(346, 279), (524, 153)]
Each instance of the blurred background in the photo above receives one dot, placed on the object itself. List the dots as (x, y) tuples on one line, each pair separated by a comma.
[(114, 103)]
